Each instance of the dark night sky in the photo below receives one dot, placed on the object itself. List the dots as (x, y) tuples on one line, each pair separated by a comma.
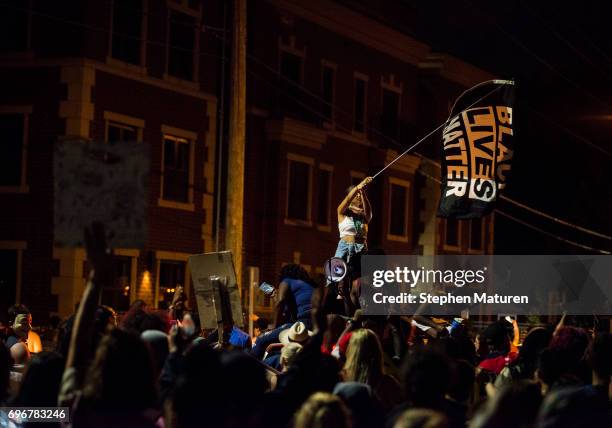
[(560, 54)]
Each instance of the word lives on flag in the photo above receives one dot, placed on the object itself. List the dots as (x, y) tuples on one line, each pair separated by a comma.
[(478, 144)]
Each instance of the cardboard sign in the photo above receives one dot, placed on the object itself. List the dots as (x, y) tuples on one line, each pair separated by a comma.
[(215, 288), (105, 182)]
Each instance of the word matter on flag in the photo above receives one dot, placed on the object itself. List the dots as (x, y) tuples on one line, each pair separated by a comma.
[(477, 150)]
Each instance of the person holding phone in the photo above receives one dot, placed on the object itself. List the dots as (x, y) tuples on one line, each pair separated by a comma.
[(293, 295)]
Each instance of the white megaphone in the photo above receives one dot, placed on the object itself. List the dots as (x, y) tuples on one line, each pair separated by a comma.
[(335, 269)]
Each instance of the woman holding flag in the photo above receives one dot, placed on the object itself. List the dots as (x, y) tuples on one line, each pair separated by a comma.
[(354, 214)]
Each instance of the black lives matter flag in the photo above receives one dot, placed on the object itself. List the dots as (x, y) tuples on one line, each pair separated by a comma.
[(478, 143)]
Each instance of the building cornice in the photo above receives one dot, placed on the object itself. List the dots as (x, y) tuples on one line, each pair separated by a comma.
[(454, 69), (355, 26), (296, 132), (407, 163), (184, 89)]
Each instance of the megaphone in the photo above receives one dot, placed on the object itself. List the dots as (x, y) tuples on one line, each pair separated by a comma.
[(335, 269)]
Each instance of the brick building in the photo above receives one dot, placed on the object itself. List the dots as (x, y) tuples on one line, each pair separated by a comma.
[(333, 94), (106, 71)]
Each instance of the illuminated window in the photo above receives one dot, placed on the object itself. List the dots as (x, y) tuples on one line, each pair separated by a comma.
[(116, 294), (171, 275)]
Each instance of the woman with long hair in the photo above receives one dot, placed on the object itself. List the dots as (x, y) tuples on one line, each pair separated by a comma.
[(524, 367), (364, 364), (354, 214), (323, 410)]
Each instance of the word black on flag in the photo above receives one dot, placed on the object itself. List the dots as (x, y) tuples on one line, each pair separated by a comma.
[(477, 149)]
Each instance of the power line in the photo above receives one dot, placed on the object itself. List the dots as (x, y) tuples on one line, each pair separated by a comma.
[(529, 225), (552, 235), (538, 212), (433, 132), (333, 107), (559, 36), (382, 135), (542, 60)]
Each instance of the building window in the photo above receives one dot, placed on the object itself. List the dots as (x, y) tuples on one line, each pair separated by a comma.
[(171, 275), (298, 192), (291, 67), (177, 169), (476, 234), (324, 196), (451, 232), (360, 100), (328, 83), (119, 132), (15, 21), (13, 128), (8, 280), (398, 208), (117, 293), (182, 44), (390, 113), (128, 35), (122, 128)]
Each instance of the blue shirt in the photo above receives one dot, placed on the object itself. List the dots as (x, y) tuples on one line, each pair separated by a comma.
[(239, 338), (302, 292)]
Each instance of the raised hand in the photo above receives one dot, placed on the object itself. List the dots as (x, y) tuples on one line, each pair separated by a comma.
[(364, 183)]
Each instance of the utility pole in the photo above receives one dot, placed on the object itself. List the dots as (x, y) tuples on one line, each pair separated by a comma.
[(234, 216)]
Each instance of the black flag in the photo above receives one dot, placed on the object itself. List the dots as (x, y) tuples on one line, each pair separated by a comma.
[(477, 148)]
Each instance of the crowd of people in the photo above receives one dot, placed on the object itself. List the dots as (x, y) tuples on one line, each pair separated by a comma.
[(321, 363)]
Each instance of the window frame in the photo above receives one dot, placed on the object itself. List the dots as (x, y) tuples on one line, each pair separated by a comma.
[(395, 181), (330, 124), (184, 8), (19, 247), (391, 86), (483, 240), (291, 48), (171, 256), (170, 132), (365, 78), (292, 157), (449, 247), (330, 171), (133, 254), (141, 67), (123, 120), (25, 111), (28, 52)]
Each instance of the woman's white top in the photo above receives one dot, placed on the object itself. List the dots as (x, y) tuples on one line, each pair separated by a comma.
[(347, 227)]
